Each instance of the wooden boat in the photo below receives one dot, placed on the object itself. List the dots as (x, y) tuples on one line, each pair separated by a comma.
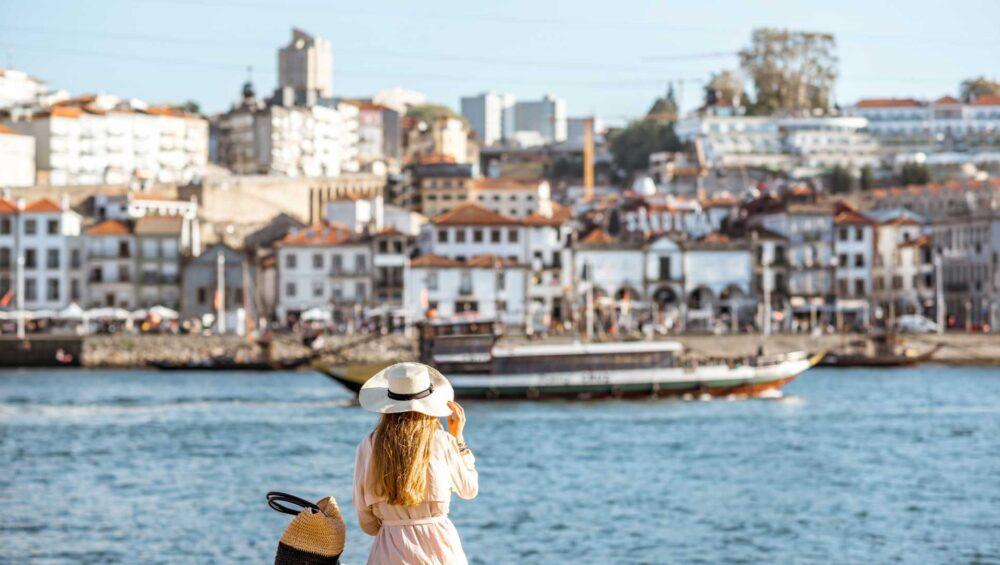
[(477, 366), (881, 350)]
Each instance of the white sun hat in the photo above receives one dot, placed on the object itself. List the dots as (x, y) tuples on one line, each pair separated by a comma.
[(407, 387)]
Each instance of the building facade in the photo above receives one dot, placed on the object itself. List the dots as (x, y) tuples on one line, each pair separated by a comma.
[(17, 159), (546, 116)]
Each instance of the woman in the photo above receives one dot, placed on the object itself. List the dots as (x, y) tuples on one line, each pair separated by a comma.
[(407, 468)]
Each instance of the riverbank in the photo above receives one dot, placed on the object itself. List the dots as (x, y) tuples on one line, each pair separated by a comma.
[(132, 351)]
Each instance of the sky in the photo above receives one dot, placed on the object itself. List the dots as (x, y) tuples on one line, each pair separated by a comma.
[(609, 59)]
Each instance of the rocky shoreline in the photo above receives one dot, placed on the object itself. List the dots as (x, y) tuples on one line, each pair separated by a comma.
[(135, 351)]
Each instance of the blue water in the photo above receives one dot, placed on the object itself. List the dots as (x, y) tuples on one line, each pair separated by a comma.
[(849, 467)]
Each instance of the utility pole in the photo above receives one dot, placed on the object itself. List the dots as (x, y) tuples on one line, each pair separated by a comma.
[(220, 292), (939, 294), (19, 293)]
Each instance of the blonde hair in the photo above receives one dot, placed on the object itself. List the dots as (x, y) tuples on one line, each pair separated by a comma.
[(401, 453)]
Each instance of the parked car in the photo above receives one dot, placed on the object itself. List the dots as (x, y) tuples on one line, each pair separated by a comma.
[(916, 325)]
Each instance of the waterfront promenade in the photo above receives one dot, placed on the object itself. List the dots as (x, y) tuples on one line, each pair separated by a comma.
[(133, 351)]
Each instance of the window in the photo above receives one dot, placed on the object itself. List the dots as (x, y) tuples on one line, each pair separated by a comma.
[(512, 235), (5, 226), (442, 236), (4, 257), (202, 295), (360, 264), (74, 259), (52, 290), (317, 289), (336, 264), (383, 246), (30, 259), (52, 259), (432, 280), (494, 236), (290, 262), (74, 289), (664, 268), (842, 287), (842, 234), (465, 287), (53, 227), (858, 234), (30, 289), (359, 290), (397, 246), (859, 287), (460, 235), (30, 227), (290, 289), (150, 248), (842, 260), (501, 281), (317, 260), (477, 236), (859, 260)]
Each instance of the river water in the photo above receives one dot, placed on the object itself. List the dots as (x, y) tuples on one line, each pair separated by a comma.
[(853, 466)]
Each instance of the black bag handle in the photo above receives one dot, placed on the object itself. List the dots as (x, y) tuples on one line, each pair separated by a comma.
[(274, 498)]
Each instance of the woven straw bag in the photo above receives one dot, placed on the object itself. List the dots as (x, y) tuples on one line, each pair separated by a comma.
[(315, 536)]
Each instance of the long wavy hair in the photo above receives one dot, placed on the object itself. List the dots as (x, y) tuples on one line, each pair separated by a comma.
[(401, 452)]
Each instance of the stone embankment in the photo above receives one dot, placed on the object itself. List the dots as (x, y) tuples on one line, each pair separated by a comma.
[(130, 351)]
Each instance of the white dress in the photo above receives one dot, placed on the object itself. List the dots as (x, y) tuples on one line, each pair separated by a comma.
[(423, 533)]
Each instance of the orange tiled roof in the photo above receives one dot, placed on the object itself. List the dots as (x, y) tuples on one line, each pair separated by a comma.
[(888, 103), (560, 214), (7, 207), (991, 100), (159, 225), (901, 221), (597, 237), (43, 205), (922, 241), (490, 260), (171, 111), (472, 214), (110, 227), (320, 233), (435, 158), (434, 261), (715, 237), (947, 100), (851, 217), (724, 200)]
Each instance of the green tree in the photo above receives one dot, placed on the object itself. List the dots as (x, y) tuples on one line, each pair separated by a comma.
[(431, 112), (979, 86), (914, 173), (792, 71), (841, 180), (664, 109), (191, 106), (632, 146), (867, 178)]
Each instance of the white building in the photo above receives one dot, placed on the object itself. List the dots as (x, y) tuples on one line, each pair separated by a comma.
[(18, 88), (373, 215), (294, 141), (483, 287), (787, 143), (136, 205), (105, 140), (491, 116), (903, 267), (306, 66), (46, 234), (323, 266), (907, 124), (110, 252), (854, 249), (517, 198), (546, 116), (17, 159)]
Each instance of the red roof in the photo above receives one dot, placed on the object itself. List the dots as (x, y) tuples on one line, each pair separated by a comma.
[(598, 237), (490, 260), (320, 233), (990, 100), (901, 221), (472, 214), (434, 261), (851, 217), (944, 100), (110, 227), (43, 205), (560, 214), (888, 103), (7, 207)]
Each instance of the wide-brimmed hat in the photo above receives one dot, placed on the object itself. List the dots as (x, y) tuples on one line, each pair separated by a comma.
[(407, 387)]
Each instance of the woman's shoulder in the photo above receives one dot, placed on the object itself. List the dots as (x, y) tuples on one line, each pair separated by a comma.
[(444, 439)]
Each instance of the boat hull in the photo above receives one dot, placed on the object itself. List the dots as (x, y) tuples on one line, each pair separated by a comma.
[(719, 380)]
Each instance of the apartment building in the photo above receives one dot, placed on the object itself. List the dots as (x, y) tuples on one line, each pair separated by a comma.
[(945, 124)]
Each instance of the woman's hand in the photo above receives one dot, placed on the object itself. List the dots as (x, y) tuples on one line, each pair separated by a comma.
[(456, 422)]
